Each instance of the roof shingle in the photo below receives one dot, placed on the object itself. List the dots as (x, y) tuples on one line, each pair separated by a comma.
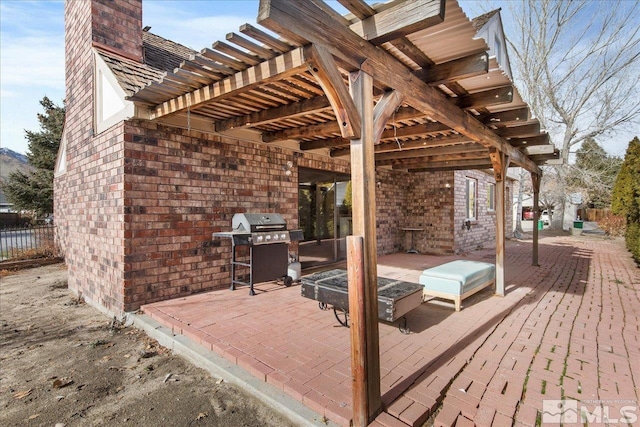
[(161, 56)]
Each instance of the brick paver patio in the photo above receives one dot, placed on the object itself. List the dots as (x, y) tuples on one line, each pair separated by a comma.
[(568, 329)]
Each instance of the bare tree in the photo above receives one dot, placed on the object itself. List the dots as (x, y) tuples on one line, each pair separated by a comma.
[(524, 187), (578, 65)]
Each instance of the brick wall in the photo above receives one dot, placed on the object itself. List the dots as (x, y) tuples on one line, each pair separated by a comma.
[(415, 200), (390, 199), (180, 187), (430, 205)]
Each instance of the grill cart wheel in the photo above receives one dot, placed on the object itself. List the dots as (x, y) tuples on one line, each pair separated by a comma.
[(342, 316), (287, 280), (323, 306)]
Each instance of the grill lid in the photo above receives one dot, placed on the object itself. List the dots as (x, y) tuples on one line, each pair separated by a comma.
[(251, 222)]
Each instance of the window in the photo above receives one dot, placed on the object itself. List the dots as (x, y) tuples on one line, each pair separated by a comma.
[(491, 197), (471, 186)]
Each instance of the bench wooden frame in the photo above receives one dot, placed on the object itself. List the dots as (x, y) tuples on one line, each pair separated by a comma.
[(457, 299)]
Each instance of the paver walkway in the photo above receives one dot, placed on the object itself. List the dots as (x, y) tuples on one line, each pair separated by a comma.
[(568, 329)]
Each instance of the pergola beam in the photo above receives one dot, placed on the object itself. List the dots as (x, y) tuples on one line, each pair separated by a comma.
[(458, 69), (522, 131), (282, 66), (305, 20), (404, 18), (517, 115), (502, 95), (524, 142)]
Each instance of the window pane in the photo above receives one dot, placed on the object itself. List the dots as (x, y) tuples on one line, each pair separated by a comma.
[(471, 198), (491, 197)]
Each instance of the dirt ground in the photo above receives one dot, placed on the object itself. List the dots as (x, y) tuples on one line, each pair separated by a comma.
[(63, 363)]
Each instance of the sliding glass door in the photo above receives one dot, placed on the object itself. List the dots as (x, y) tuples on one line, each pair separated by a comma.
[(324, 209)]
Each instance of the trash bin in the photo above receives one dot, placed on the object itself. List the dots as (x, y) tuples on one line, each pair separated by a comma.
[(577, 224), (540, 224)]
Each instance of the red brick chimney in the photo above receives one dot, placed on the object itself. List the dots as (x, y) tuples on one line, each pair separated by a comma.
[(117, 27), (111, 25)]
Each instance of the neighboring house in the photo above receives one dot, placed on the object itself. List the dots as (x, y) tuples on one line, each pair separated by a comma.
[(138, 196)]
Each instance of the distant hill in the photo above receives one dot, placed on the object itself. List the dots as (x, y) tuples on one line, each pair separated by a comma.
[(11, 161)]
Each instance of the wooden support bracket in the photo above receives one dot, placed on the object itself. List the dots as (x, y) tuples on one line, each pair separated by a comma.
[(324, 68), (500, 162), (383, 111)]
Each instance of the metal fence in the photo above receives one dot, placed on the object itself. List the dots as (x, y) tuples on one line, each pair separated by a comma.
[(16, 241)]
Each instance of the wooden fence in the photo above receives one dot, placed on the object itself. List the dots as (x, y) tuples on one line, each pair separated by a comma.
[(593, 214)]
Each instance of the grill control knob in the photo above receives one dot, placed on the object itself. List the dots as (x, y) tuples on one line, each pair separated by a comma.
[(283, 236), (259, 239), (267, 237)]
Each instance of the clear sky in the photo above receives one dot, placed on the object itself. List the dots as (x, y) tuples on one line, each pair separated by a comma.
[(32, 50)]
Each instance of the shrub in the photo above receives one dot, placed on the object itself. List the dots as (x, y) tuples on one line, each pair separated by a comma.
[(632, 238), (626, 196), (613, 225)]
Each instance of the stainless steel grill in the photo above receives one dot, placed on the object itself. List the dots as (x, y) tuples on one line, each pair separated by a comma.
[(263, 228), (268, 239)]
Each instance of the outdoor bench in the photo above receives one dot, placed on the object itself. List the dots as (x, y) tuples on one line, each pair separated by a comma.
[(457, 280)]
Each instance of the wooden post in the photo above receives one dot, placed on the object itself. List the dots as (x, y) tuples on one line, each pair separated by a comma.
[(357, 310), (500, 163), (535, 180), (364, 214)]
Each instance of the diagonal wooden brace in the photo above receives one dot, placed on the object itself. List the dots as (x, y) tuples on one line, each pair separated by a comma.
[(324, 68)]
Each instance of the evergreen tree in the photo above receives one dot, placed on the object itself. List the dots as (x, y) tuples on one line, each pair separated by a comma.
[(626, 196), (594, 174), (34, 191)]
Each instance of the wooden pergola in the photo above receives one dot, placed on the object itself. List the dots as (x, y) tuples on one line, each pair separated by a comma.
[(403, 85)]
